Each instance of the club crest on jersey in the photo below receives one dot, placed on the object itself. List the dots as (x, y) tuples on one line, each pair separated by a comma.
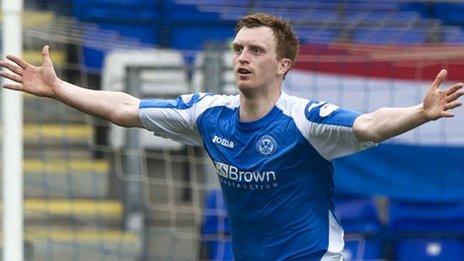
[(266, 145)]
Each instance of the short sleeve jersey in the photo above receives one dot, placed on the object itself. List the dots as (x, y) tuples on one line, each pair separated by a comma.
[(275, 173)]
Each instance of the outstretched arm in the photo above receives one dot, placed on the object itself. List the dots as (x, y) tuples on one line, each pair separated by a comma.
[(118, 107), (389, 122)]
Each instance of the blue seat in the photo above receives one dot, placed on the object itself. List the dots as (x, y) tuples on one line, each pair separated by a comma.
[(376, 16), (422, 8), (316, 16), (449, 13), (429, 249), (137, 19), (133, 35), (453, 34), (227, 15), (189, 13), (361, 247), (318, 35), (371, 5), (363, 229), (432, 217), (195, 37), (390, 36), (122, 11), (216, 228), (427, 230)]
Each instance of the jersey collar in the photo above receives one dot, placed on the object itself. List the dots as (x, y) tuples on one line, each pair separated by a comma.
[(264, 121)]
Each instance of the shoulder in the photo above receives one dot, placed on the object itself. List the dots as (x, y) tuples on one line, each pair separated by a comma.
[(215, 100), (292, 106), (322, 112), (319, 112), (191, 101)]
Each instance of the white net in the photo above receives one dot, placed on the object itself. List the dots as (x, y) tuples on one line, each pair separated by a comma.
[(72, 209), (77, 180)]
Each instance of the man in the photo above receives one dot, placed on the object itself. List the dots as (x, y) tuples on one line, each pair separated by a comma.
[(272, 151)]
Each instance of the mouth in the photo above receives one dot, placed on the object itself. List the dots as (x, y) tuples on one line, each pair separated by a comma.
[(243, 72)]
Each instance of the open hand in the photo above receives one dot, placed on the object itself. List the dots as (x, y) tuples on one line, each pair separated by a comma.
[(438, 103), (40, 81)]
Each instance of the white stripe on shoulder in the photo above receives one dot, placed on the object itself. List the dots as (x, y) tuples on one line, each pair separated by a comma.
[(210, 101), (330, 140), (294, 107)]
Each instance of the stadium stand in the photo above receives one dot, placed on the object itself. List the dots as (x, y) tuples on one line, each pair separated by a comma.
[(452, 34), (449, 13), (216, 244), (188, 25), (72, 208), (359, 217), (385, 36), (227, 76), (318, 36), (168, 80), (427, 230), (68, 207)]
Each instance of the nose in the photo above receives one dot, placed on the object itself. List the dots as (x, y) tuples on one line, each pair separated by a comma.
[(243, 58)]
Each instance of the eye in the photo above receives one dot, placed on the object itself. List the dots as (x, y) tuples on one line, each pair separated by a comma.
[(255, 50), (238, 49)]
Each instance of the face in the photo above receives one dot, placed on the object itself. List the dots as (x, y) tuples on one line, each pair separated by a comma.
[(255, 60)]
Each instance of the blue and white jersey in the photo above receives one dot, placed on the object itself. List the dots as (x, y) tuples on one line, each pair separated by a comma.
[(275, 173)]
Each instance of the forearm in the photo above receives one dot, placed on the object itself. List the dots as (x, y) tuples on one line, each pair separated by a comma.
[(117, 107), (386, 123)]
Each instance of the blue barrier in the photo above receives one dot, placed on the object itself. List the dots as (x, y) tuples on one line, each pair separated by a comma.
[(427, 230)]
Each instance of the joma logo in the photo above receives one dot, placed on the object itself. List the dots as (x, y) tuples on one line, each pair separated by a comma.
[(223, 142)]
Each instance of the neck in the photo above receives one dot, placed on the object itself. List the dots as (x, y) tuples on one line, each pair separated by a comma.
[(254, 106)]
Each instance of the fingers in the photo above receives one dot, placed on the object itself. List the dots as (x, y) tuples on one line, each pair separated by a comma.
[(11, 76), (13, 86), (23, 64), (441, 76), (454, 96), (46, 55), (20, 62), (447, 114), (453, 93), (11, 67), (454, 88), (452, 105)]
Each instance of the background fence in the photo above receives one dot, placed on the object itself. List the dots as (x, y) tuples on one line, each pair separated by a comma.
[(94, 191)]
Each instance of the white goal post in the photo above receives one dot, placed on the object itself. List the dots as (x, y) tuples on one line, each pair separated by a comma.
[(12, 117)]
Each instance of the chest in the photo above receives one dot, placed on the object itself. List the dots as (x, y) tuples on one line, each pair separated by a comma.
[(267, 159), (251, 148)]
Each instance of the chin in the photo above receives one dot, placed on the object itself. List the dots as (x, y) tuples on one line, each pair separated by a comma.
[(243, 87), (247, 90)]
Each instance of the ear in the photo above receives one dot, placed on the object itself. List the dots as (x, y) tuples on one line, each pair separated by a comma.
[(285, 65)]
